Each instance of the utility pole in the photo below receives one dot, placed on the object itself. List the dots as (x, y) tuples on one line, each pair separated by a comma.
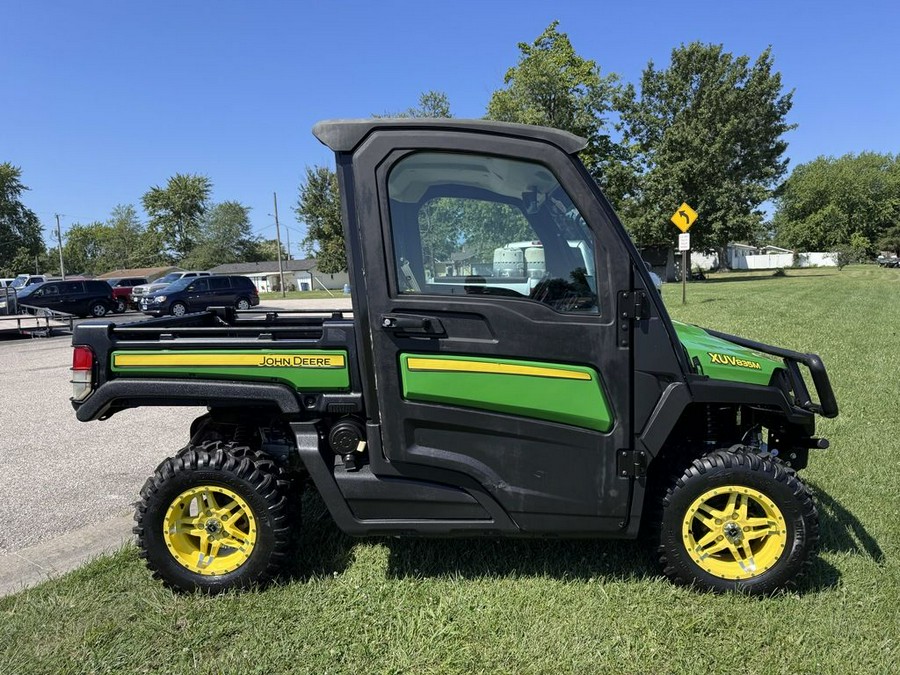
[(278, 240), (62, 270), (287, 231)]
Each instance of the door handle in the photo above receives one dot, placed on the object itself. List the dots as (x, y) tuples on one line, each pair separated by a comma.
[(419, 325)]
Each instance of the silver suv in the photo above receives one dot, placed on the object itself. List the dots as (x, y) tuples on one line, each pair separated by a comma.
[(147, 290)]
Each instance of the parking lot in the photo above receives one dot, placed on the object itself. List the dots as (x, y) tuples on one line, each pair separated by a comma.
[(59, 474), (62, 474)]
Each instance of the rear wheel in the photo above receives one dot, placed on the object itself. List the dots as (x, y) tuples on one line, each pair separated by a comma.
[(98, 309), (179, 309), (212, 520), (737, 521), (242, 303), (121, 306)]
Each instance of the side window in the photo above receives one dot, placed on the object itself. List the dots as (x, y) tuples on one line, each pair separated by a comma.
[(219, 283), (480, 225), (48, 290), (71, 287), (200, 285)]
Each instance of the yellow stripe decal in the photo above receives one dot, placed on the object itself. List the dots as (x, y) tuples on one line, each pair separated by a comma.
[(213, 360), (459, 366)]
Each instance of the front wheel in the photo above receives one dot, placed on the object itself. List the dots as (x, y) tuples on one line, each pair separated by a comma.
[(179, 309), (738, 521), (212, 520), (120, 307)]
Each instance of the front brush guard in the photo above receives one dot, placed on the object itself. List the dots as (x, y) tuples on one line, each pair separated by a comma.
[(827, 405)]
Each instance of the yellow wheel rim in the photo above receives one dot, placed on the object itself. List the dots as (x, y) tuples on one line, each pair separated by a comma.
[(210, 530), (734, 532)]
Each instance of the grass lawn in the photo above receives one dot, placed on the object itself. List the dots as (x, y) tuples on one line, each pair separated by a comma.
[(302, 295), (485, 606)]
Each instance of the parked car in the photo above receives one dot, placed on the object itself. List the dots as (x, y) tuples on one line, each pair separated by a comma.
[(142, 291), (193, 294), (122, 288), (6, 283), (24, 280), (86, 297)]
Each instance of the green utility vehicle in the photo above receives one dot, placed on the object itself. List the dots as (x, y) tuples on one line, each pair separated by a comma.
[(508, 369)]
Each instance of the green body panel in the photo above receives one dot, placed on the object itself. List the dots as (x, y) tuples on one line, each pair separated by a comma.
[(295, 367), (723, 360), (578, 402)]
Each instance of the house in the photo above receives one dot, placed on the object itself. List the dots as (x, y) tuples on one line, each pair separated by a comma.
[(299, 275)]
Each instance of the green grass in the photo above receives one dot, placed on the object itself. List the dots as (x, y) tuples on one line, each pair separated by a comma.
[(302, 295), (485, 606)]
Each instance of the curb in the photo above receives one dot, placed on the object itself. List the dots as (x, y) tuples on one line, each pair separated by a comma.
[(33, 565)]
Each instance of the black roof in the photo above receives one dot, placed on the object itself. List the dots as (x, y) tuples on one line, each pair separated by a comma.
[(345, 135)]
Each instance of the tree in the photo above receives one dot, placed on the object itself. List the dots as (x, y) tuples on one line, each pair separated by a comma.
[(267, 249), (431, 104), (85, 247), (553, 86), (824, 203), (131, 244), (20, 229), (176, 209), (890, 241), (224, 237), (708, 130), (319, 206)]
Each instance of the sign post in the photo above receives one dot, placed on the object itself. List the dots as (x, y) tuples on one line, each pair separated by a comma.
[(683, 218)]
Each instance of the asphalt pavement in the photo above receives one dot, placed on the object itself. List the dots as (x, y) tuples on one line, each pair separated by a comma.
[(67, 487)]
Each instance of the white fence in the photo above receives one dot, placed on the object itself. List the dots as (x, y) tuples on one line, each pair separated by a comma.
[(765, 261)]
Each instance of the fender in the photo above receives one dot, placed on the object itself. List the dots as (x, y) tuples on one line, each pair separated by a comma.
[(125, 393)]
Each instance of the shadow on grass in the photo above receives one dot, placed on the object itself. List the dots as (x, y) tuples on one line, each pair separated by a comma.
[(512, 558), (841, 531), (325, 551), (727, 278)]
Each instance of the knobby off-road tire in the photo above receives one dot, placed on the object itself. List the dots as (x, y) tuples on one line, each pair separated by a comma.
[(736, 520), (290, 484), (210, 520)]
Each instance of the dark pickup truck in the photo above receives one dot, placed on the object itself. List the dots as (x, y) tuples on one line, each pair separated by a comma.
[(508, 369)]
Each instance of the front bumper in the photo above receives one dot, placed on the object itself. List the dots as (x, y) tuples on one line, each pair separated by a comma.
[(827, 404)]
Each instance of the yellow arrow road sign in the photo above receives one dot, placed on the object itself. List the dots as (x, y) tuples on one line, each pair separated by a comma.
[(684, 217)]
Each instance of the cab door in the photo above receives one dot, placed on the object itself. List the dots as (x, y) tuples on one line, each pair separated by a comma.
[(487, 293)]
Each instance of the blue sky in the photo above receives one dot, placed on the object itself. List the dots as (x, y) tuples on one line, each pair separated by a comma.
[(102, 100)]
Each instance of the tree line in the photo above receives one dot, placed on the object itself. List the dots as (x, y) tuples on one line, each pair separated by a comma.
[(708, 129), (183, 227)]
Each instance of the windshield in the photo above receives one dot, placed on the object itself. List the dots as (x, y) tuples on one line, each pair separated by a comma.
[(19, 281), (181, 283), (28, 290), (169, 278)]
